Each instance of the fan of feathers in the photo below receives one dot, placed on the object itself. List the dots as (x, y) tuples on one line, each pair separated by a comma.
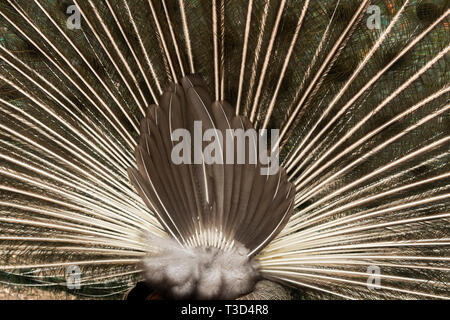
[(357, 92)]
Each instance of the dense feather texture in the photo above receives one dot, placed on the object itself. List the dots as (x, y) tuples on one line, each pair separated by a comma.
[(363, 114), (199, 272)]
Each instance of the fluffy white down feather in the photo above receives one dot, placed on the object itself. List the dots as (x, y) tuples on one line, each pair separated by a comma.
[(200, 273)]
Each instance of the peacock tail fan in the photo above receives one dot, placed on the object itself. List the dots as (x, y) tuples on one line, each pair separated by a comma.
[(353, 95)]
